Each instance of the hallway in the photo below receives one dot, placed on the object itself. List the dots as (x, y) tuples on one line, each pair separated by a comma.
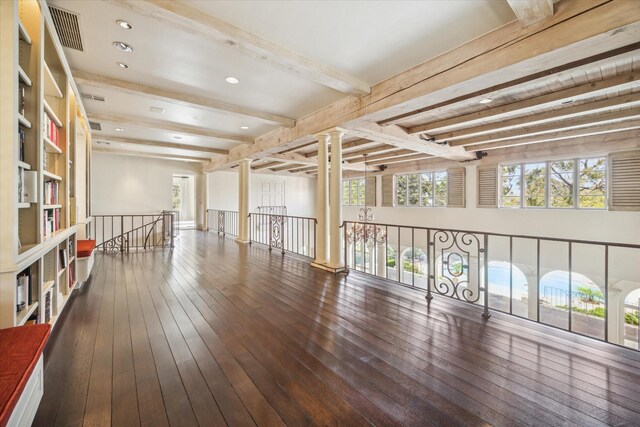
[(217, 333)]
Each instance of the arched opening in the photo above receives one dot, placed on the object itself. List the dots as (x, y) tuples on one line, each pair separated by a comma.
[(414, 267), (508, 288), (452, 277), (630, 315), (572, 302)]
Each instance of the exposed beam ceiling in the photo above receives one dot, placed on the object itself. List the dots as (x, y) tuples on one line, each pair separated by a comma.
[(180, 15), (179, 98), (168, 126), (399, 159), (531, 11), (299, 159), (286, 167), (360, 153), (387, 155), (265, 165), (397, 137), (359, 142), (154, 155), (160, 144), (538, 102), (579, 32)]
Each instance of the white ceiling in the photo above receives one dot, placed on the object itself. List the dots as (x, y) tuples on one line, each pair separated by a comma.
[(371, 40)]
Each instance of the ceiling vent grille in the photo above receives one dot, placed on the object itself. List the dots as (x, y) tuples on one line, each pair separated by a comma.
[(93, 97), (103, 142), (68, 28), (95, 125)]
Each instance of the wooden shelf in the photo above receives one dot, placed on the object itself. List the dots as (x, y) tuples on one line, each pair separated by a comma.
[(23, 121), (23, 165), (61, 271), (72, 259), (50, 147), (23, 76), (47, 285), (51, 87), (23, 316), (24, 205), (51, 206), (51, 113), (24, 35), (51, 176)]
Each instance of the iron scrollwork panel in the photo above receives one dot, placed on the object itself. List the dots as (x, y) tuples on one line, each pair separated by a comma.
[(221, 222), (277, 231), (456, 260)]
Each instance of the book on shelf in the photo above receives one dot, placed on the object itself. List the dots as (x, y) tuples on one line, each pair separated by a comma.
[(29, 186), (21, 98), (47, 304), (70, 271), (23, 295), (64, 259), (50, 129), (50, 196), (21, 136), (44, 158), (51, 221), (21, 185)]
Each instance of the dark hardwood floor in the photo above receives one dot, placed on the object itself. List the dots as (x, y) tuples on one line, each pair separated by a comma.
[(215, 333)]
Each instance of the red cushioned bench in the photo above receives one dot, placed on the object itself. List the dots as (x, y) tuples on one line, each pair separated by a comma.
[(21, 373), (84, 263)]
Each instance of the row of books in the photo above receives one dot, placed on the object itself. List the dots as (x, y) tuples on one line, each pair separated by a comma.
[(21, 98), (50, 130), (50, 192), (51, 220), (47, 304), (21, 136), (64, 258)]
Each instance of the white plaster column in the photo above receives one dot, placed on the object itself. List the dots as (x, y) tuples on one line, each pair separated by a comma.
[(243, 200), (202, 200), (335, 194), (381, 261), (322, 202)]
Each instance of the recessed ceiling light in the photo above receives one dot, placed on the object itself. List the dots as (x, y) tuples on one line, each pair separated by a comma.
[(157, 110), (122, 65), (244, 127), (124, 24), (177, 137), (485, 101), (232, 80), (123, 46), (119, 130)]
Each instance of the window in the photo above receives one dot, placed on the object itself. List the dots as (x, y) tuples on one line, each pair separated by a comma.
[(353, 191), (553, 184), (423, 189)]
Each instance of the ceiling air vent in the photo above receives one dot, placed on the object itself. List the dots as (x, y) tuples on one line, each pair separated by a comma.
[(103, 142), (95, 125), (67, 27), (93, 97)]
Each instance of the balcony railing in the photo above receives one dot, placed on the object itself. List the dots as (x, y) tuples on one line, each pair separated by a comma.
[(284, 233), (122, 233), (223, 222), (576, 285)]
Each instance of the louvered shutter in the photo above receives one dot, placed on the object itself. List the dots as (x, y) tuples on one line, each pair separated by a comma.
[(370, 193), (388, 191), (487, 189), (624, 181), (456, 187)]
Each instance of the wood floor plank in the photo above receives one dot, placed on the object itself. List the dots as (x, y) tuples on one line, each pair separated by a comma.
[(218, 333)]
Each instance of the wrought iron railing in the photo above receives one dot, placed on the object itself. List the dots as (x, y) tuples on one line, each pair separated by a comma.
[(122, 233), (507, 273), (223, 222), (284, 233), (274, 210)]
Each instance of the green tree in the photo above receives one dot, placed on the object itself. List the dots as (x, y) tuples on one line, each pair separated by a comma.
[(588, 294), (176, 196)]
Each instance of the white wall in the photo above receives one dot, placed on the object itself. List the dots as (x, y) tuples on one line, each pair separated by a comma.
[(134, 185), (299, 192)]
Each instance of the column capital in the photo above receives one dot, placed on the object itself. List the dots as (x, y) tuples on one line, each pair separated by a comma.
[(245, 161), (336, 133), (322, 136)]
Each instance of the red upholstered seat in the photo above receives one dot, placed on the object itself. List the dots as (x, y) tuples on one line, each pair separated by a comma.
[(20, 349), (85, 247)]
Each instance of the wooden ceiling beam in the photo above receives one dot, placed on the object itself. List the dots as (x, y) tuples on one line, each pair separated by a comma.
[(266, 165), (298, 158), (561, 135), (375, 149), (359, 142), (154, 155), (167, 126), (556, 126), (525, 105), (304, 169), (387, 155), (399, 159), (529, 12), (589, 108), (178, 98), (160, 144), (579, 33), (286, 167), (204, 26)]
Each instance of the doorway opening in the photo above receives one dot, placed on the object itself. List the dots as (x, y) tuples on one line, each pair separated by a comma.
[(184, 200)]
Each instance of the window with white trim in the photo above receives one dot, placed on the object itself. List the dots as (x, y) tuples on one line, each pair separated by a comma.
[(558, 184), (353, 192), (425, 189)]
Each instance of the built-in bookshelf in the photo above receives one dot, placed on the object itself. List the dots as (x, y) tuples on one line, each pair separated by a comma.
[(41, 128)]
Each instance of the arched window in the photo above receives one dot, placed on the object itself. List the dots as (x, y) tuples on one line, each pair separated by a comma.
[(630, 313), (580, 298), (508, 288)]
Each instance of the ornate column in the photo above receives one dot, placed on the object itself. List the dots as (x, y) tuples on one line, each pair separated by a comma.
[(335, 194), (243, 200), (322, 202)]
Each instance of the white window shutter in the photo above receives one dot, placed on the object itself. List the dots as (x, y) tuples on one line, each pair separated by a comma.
[(487, 189), (456, 187), (370, 193), (388, 190), (624, 181)]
